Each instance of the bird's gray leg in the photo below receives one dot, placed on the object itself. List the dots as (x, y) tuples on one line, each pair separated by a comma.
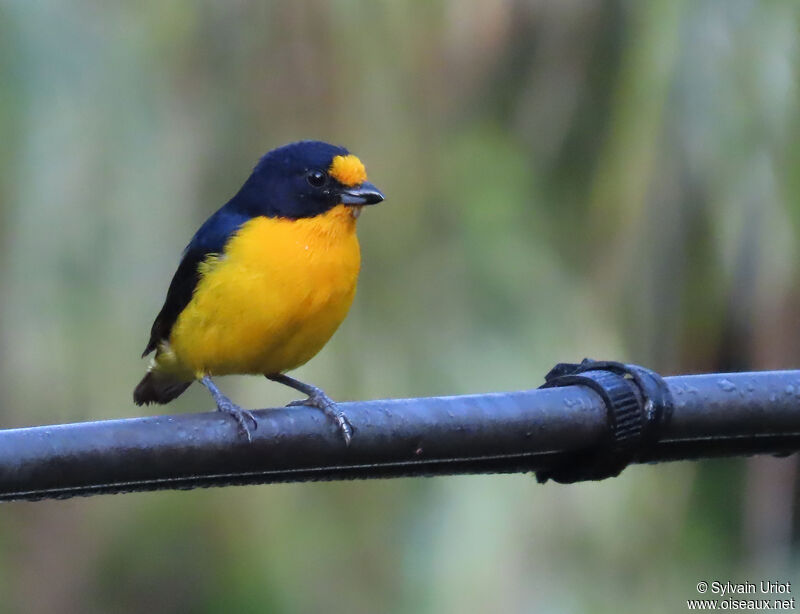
[(224, 404), (316, 398)]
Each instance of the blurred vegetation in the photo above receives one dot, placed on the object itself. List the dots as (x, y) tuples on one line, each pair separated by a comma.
[(564, 179)]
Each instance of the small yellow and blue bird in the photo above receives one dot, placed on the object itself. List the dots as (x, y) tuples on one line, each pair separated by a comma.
[(265, 281)]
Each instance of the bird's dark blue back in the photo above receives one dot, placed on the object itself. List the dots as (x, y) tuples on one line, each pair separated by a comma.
[(209, 239)]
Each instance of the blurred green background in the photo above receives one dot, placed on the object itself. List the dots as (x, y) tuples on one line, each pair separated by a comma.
[(564, 179)]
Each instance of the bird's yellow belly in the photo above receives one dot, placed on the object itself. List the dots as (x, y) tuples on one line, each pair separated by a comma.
[(273, 299)]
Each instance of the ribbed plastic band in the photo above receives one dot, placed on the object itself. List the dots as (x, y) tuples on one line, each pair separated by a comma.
[(637, 402)]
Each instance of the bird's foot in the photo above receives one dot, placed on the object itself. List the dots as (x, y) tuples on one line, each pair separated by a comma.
[(225, 405), (322, 401), (242, 416)]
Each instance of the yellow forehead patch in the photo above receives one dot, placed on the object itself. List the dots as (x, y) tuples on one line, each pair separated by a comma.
[(348, 170)]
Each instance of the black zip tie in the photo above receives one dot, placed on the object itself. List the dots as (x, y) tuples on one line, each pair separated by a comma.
[(638, 403)]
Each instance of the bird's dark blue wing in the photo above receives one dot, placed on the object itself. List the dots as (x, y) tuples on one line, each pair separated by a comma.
[(210, 239)]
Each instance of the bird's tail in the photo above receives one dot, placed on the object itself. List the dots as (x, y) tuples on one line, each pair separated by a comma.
[(159, 387)]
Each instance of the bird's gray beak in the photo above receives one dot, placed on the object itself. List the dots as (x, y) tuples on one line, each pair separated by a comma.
[(364, 194)]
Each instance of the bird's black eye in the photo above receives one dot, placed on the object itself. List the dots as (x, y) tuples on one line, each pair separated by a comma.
[(316, 178)]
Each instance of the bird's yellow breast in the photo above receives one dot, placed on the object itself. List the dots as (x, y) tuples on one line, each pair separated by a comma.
[(272, 299)]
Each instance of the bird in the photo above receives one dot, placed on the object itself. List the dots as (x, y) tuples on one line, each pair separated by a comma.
[(265, 281)]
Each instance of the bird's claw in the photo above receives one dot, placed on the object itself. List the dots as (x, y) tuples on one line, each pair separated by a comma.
[(331, 409), (241, 416)]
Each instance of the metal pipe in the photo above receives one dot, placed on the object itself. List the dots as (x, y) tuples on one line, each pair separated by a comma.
[(714, 415)]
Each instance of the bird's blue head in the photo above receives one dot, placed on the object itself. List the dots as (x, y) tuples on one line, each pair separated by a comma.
[(305, 179)]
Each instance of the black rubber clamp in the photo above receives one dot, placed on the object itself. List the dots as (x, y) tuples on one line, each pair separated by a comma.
[(638, 403)]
